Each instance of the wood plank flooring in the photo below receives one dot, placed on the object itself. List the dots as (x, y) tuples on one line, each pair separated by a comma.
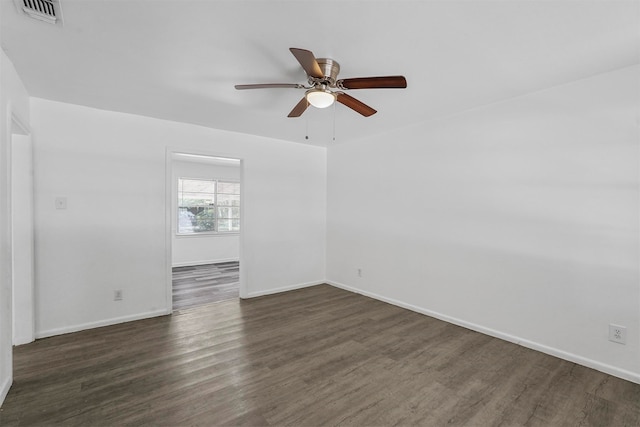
[(319, 356), (203, 284)]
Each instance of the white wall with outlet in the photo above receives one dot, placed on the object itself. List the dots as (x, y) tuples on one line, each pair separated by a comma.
[(14, 103), (200, 249), (518, 219), (111, 169)]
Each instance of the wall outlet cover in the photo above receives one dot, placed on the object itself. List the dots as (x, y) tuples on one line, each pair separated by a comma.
[(617, 333), (61, 203)]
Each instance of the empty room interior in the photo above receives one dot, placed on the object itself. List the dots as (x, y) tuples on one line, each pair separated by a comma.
[(302, 213)]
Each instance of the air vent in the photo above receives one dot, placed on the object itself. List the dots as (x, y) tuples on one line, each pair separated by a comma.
[(43, 10)]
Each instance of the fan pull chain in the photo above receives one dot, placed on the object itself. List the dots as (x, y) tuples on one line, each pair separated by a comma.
[(334, 121), (306, 128)]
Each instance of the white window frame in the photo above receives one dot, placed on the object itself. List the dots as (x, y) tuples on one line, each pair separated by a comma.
[(204, 233)]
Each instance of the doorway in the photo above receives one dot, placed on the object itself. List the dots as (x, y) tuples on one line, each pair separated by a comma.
[(205, 215), (22, 250)]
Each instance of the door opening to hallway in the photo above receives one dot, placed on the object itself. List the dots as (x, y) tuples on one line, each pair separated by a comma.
[(205, 229)]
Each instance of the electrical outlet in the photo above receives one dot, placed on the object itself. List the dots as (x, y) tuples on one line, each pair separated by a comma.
[(117, 295), (359, 272), (617, 333), (61, 203)]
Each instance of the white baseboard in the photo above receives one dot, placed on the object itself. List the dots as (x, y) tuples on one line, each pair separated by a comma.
[(4, 390), (599, 366), (285, 289), (23, 340), (205, 262), (163, 312), (100, 323)]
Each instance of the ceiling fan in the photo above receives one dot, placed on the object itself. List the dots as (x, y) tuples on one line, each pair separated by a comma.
[(322, 76)]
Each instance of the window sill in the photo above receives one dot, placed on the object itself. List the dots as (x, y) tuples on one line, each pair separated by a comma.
[(200, 235)]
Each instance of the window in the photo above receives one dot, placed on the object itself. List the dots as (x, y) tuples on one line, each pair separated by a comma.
[(208, 206)]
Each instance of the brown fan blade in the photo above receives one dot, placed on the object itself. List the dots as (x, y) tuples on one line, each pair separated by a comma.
[(393, 82), (269, 86), (308, 62), (354, 104), (299, 108)]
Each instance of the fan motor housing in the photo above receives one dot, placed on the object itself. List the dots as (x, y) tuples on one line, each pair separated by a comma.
[(330, 70)]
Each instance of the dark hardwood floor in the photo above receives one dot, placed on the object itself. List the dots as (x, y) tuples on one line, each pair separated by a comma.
[(203, 284), (319, 356)]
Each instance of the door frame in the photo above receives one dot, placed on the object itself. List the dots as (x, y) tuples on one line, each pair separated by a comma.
[(170, 151), (18, 128)]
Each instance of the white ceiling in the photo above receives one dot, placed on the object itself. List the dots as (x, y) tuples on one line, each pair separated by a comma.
[(179, 59)]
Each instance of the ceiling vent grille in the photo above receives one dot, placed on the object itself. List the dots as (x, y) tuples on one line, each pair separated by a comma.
[(43, 10)]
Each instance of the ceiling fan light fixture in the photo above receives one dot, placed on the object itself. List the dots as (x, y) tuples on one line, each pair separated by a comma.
[(322, 74), (320, 98)]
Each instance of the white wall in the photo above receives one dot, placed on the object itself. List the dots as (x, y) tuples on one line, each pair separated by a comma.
[(111, 168), (206, 248), (13, 101), (518, 219)]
